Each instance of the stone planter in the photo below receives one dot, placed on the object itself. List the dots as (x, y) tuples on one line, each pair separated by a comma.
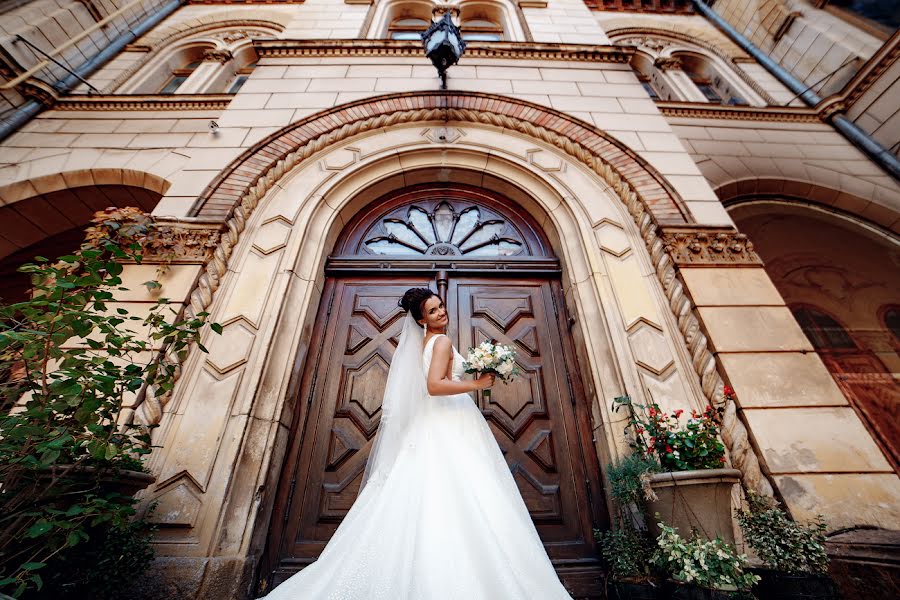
[(679, 591), (633, 590), (776, 585), (698, 500)]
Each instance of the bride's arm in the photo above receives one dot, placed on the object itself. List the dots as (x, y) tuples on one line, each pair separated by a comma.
[(440, 383)]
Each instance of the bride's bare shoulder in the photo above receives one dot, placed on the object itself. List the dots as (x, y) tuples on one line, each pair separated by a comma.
[(441, 342)]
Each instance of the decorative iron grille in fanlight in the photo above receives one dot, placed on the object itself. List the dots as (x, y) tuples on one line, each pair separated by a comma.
[(471, 232)]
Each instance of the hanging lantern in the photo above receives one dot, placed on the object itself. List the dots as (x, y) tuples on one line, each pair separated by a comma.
[(443, 45)]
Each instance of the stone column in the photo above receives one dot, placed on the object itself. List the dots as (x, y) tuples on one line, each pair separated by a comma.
[(810, 441)]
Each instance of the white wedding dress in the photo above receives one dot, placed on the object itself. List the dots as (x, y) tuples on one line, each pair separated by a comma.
[(447, 521)]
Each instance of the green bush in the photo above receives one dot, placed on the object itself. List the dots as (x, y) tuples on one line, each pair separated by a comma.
[(71, 366), (627, 551), (706, 563), (783, 544)]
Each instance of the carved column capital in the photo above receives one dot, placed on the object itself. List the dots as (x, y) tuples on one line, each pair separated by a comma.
[(218, 54), (709, 246)]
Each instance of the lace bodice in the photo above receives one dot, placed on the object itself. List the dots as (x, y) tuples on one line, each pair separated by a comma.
[(458, 359)]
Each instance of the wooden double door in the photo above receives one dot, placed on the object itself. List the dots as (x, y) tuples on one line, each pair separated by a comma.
[(540, 421)]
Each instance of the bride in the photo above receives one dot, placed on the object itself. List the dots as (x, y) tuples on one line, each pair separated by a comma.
[(438, 515)]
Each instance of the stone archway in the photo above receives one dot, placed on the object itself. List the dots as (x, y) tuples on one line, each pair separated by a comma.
[(224, 429)]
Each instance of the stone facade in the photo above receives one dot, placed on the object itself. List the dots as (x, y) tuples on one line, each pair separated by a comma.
[(677, 220)]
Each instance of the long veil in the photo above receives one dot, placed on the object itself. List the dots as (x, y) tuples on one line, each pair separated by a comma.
[(404, 399)]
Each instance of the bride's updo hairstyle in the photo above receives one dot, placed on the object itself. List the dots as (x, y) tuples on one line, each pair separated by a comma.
[(413, 301)]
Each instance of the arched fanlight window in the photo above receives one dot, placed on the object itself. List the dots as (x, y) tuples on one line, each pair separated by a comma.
[(709, 81), (407, 28), (823, 331), (179, 76), (481, 30)]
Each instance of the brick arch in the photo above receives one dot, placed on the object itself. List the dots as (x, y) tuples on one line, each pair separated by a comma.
[(627, 173), (735, 192)]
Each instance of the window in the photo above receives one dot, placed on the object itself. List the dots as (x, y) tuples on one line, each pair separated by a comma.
[(408, 29), (891, 318), (179, 76), (823, 331), (714, 87), (648, 86), (481, 30), (240, 78)]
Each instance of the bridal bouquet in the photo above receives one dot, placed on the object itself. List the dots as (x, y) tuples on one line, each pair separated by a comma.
[(489, 357)]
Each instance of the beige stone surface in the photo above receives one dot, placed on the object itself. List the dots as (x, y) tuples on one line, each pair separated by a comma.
[(781, 379), (816, 439), (176, 281), (752, 328), (725, 287), (847, 499)]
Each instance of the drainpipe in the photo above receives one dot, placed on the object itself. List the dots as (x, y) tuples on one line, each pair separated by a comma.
[(27, 111), (848, 128)]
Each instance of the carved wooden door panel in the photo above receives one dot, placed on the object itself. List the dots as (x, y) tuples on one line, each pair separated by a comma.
[(537, 419), (543, 432), (341, 397)]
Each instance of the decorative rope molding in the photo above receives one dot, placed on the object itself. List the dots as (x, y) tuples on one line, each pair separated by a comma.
[(520, 50), (734, 433), (160, 102), (701, 110)]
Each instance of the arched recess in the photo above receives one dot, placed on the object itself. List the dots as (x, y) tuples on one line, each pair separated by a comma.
[(224, 430), (678, 56), (46, 216), (481, 20), (838, 274), (884, 215), (225, 41)]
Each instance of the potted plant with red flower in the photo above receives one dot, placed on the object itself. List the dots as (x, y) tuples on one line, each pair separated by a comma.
[(693, 491)]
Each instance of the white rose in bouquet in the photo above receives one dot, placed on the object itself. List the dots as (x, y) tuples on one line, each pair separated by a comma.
[(489, 357)]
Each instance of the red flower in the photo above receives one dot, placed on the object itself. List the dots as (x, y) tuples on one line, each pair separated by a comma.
[(669, 449), (728, 391), (677, 413), (694, 414), (652, 412), (722, 459), (639, 430)]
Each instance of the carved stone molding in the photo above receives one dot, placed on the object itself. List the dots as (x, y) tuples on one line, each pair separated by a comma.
[(528, 50), (182, 241), (158, 102), (666, 63), (702, 110), (709, 247), (218, 54)]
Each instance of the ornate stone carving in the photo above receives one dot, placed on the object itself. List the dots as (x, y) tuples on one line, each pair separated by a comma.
[(411, 48), (709, 246), (182, 241), (666, 63), (650, 43), (703, 110), (218, 54), (155, 102)]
